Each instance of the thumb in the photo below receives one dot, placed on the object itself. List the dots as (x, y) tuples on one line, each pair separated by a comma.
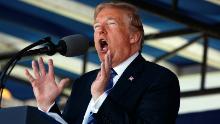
[(63, 83)]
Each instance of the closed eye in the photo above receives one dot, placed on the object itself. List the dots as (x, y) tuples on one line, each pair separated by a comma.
[(111, 23), (96, 26)]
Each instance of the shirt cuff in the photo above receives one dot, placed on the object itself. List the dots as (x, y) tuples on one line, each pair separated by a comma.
[(95, 105), (56, 117), (47, 109)]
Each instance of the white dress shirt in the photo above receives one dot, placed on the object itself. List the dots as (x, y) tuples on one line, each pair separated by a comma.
[(95, 105)]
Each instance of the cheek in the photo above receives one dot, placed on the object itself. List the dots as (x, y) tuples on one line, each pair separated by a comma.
[(101, 57), (95, 37), (96, 43)]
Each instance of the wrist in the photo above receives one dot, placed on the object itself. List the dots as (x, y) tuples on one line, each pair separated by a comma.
[(45, 109), (96, 95), (44, 106)]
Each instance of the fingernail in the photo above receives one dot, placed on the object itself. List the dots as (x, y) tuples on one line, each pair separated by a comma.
[(34, 62)]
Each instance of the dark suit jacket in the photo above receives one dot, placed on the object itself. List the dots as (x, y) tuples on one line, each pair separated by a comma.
[(152, 97)]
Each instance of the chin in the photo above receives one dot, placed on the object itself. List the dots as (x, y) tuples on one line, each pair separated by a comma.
[(101, 57)]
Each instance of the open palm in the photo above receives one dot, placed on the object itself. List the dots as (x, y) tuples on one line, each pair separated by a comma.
[(46, 90)]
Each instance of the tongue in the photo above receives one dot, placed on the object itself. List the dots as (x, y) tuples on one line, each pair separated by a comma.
[(105, 49)]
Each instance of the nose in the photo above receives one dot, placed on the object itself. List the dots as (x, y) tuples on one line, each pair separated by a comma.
[(102, 30)]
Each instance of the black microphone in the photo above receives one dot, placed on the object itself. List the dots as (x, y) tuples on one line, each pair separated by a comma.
[(69, 46), (72, 45)]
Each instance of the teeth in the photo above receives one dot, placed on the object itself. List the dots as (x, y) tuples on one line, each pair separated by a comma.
[(103, 43)]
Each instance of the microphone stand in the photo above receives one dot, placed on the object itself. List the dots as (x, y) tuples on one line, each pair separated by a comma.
[(50, 49)]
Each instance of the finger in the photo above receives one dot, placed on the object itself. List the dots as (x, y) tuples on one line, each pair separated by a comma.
[(63, 83), (98, 75), (107, 64), (51, 67), (35, 69), (41, 66), (109, 58), (102, 71), (29, 76)]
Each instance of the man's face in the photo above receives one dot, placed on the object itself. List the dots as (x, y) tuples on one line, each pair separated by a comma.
[(111, 32)]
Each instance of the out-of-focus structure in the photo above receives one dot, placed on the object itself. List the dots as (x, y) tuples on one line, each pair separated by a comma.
[(182, 35)]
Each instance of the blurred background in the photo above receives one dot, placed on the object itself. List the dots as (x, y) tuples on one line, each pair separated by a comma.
[(182, 35)]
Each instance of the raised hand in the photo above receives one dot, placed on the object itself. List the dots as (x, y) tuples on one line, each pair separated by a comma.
[(101, 81), (46, 90)]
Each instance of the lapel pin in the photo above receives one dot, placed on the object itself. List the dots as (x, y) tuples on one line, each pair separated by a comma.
[(131, 78)]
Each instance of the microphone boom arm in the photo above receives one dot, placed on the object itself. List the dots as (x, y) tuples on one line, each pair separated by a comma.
[(24, 52)]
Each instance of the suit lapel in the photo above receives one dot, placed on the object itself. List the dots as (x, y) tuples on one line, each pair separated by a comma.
[(127, 79), (125, 82)]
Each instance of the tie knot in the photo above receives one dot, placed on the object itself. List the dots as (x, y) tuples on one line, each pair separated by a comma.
[(112, 73)]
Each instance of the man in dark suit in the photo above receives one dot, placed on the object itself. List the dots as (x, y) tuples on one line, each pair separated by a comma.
[(141, 92)]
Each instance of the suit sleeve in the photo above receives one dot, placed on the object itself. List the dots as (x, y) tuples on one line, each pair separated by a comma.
[(55, 109), (159, 104)]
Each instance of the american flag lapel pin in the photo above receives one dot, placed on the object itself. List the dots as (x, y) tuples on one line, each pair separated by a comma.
[(131, 78)]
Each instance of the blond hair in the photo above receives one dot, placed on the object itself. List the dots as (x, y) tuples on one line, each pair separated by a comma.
[(132, 13)]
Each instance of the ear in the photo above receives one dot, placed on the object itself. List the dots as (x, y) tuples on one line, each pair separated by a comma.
[(135, 37)]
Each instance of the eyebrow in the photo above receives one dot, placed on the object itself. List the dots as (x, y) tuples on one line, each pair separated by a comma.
[(109, 18)]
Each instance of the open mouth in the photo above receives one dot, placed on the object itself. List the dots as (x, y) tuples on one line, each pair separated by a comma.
[(103, 45)]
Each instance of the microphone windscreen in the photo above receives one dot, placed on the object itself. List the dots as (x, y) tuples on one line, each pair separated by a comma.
[(75, 45)]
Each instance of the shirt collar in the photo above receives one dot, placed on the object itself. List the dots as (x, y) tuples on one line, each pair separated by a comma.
[(119, 69)]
